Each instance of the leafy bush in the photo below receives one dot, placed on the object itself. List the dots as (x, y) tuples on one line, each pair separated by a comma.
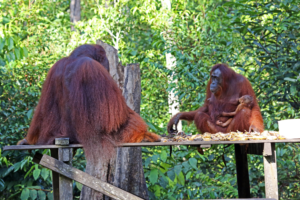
[(259, 39)]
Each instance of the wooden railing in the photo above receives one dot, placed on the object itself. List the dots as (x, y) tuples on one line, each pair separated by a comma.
[(63, 173)]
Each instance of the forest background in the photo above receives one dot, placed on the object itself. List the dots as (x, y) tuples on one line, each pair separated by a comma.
[(259, 39)]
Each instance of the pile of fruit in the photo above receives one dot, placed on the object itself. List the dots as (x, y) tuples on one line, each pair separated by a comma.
[(232, 136)]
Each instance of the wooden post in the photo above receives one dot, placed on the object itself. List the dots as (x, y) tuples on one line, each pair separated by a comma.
[(55, 177), (242, 171), (270, 167), (65, 155)]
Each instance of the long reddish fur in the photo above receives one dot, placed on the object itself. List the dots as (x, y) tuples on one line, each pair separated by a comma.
[(81, 101), (233, 86)]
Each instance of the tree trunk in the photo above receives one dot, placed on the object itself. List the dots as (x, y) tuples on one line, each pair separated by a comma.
[(129, 173), (126, 169), (171, 64), (116, 69), (74, 12)]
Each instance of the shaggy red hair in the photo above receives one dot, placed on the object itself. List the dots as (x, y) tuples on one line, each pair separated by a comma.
[(233, 86), (81, 101)]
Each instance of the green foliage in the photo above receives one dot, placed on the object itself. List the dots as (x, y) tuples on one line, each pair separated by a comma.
[(259, 39), (186, 175), (270, 30)]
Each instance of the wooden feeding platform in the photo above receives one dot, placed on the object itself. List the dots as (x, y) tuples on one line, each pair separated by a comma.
[(63, 173)]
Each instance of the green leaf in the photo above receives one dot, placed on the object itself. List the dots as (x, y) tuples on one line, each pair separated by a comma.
[(42, 195), (45, 173), (171, 175), (8, 171), (171, 198), (133, 52), (23, 162), (153, 176), (25, 194), (177, 169), (12, 56), (24, 52), (50, 196), (17, 53), (181, 178), (290, 79), (2, 183), (188, 175), (29, 113), (152, 126), (163, 156), (36, 173), (34, 187), (7, 57), (2, 43), (33, 194), (157, 190), (79, 186), (10, 43), (193, 163), (293, 90), (164, 167), (17, 166), (29, 171)]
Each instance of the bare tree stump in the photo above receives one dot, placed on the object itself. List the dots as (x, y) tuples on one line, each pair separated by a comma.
[(125, 170), (116, 69), (98, 170), (129, 173)]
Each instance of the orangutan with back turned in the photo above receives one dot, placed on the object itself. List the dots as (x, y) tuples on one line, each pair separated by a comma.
[(81, 101)]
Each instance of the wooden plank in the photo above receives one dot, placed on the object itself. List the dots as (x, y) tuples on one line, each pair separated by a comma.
[(242, 171), (30, 147), (55, 177), (270, 168), (145, 144), (84, 178), (205, 145)]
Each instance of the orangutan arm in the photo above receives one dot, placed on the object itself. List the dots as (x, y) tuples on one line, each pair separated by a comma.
[(224, 124), (188, 116), (231, 114)]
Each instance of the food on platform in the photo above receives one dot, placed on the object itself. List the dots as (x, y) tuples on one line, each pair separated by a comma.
[(232, 136)]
